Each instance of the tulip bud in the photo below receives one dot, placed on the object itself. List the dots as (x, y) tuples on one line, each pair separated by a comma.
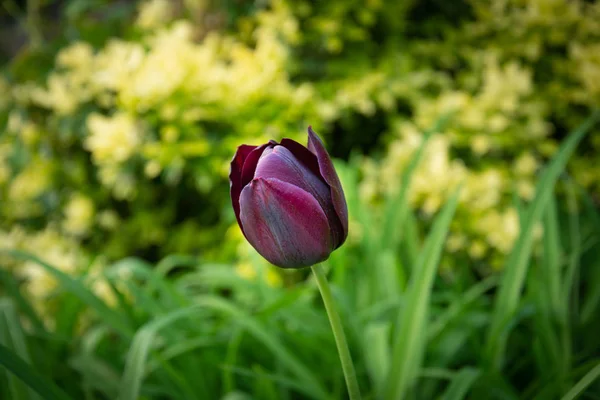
[(288, 201)]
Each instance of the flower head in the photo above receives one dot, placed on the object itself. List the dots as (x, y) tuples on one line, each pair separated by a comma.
[(288, 201)]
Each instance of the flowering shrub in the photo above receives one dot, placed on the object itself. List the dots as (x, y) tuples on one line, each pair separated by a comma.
[(515, 78), (123, 146)]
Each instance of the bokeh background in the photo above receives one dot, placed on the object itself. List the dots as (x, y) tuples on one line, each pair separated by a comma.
[(118, 120)]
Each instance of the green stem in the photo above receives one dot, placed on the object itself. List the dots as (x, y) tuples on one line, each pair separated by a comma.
[(338, 333)]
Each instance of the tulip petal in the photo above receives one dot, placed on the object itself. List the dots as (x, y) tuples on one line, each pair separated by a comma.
[(284, 223), (251, 162), (235, 177), (280, 163), (315, 145), (303, 154), (308, 157)]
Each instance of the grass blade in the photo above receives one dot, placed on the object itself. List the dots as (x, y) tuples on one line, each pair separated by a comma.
[(309, 381), (517, 263), (110, 316), (409, 348), (460, 385), (457, 307), (11, 287), (135, 365), (45, 388), (13, 337), (551, 262), (583, 383)]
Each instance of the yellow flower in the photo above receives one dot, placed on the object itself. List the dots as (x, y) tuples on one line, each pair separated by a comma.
[(154, 13), (112, 139), (455, 242), (108, 219), (78, 55), (477, 249), (31, 182), (62, 95), (62, 254), (30, 133), (501, 229), (115, 64), (526, 164), (79, 214), (152, 169), (480, 144), (587, 67), (526, 189)]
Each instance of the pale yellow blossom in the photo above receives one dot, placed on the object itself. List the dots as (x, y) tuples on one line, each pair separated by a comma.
[(153, 14), (108, 219), (526, 164), (477, 249), (79, 214), (31, 182), (112, 139)]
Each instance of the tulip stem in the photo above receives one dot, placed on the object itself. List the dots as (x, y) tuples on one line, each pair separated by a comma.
[(338, 333)]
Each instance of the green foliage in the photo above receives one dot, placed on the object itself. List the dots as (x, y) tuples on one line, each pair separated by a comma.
[(117, 123), (116, 132), (190, 329)]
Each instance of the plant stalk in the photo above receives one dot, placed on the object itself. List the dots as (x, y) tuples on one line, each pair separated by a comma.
[(338, 333)]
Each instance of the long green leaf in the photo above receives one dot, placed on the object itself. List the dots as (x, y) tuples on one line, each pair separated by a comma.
[(457, 307), (110, 316), (591, 303), (13, 337), (517, 263), (11, 286), (308, 380), (137, 365), (45, 388), (462, 382), (137, 357), (409, 346), (583, 383), (551, 262)]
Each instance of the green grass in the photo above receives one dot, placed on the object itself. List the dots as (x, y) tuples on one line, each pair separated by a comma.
[(185, 329)]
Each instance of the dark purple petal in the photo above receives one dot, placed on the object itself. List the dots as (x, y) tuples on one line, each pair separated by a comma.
[(251, 161), (235, 177), (330, 176), (284, 223), (279, 162), (303, 154)]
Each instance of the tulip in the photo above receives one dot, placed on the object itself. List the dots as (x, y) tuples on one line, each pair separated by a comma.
[(288, 201)]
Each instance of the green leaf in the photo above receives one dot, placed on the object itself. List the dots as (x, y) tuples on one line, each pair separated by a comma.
[(13, 337), (11, 287), (583, 383), (15, 364), (517, 264), (409, 346), (307, 380), (461, 383), (110, 316)]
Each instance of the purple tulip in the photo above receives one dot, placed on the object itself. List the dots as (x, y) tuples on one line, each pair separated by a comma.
[(288, 201)]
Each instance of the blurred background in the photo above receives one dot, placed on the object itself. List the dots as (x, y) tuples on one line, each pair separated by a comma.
[(118, 120)]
